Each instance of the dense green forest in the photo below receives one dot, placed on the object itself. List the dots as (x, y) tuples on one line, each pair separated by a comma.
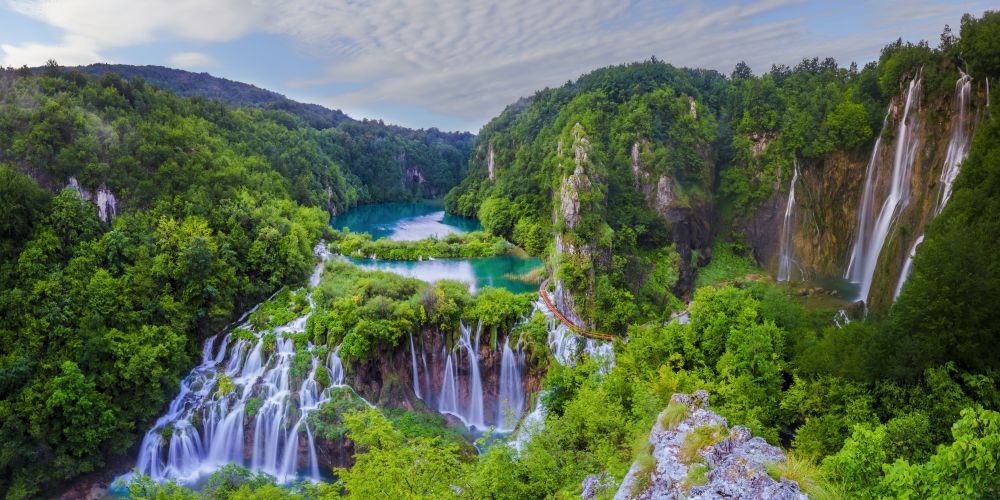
[(220, 207), (391, 162)]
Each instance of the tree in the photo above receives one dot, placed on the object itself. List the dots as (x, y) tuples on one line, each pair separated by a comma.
[(388, 465)]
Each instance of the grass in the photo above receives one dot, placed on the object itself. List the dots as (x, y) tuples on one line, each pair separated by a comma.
[(697, 476), (644, 476), (807, 474), (726, 265), (674, 415), (700, 438)]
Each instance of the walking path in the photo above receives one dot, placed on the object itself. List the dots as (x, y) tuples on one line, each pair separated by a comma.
[(569, 324)]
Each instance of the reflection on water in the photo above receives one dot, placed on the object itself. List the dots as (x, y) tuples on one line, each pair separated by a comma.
[(416, 221), (404, 221), (477, 273)]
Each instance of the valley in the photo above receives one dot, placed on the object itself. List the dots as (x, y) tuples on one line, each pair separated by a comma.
[(651, 281)]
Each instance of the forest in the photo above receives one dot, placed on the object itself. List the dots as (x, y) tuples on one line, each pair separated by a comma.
[(137, 224)]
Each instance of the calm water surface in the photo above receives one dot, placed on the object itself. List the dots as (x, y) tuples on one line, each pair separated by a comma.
[(416, 221), (404, 221)]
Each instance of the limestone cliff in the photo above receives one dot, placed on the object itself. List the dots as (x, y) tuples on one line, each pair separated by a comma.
[(695, 455), (826, 215)]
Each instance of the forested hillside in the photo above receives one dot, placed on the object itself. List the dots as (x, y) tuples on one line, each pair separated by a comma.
[(143, 232), (392, 162)]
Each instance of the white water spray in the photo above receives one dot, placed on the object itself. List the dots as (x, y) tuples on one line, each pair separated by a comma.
[(871, 235), (785, 254)]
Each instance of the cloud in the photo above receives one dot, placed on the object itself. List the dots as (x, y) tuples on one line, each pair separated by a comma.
[(72, 51), (469, 59), (191, 60)]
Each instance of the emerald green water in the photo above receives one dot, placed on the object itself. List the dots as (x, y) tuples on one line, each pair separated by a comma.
[(404, 221), (477, 273), (415, 221)]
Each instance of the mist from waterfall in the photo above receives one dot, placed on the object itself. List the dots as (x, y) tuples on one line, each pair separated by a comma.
[(872, 233), (245, 383), (785, 254)]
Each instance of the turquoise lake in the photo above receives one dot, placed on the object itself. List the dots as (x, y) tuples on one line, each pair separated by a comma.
[(404, 221), (416, 221)]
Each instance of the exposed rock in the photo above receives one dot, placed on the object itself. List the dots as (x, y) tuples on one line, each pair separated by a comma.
[(595, 484), (387, 380), (103, 198), (760, 142), (664, 196), (737, 464)]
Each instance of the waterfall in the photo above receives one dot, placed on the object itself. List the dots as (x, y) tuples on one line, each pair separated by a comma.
[(416, 377), (566, 345), (244, 385), (958, 144), (462, 393), (907, 267), (474, 412), (448, 399), (511, 388), (871, 235), (785, 259), (958, 149)]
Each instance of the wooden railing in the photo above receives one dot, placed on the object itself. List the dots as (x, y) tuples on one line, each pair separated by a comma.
[(569, 324)]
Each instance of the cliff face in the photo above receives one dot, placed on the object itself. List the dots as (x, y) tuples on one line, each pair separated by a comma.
[(825, 220), (387, 380), (695, 455)]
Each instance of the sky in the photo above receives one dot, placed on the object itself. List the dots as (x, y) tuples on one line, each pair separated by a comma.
[(453, 64)]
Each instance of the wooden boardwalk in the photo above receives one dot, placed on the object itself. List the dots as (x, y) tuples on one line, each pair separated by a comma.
[(569, 324)]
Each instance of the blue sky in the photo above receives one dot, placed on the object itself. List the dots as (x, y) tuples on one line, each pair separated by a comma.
[(452, 64)]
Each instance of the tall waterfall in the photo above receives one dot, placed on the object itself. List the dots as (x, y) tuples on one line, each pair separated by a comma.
[(872, 234), (904, 274), (785, 256), (511, 387), (958, 149), (958, 144), (246, 384)]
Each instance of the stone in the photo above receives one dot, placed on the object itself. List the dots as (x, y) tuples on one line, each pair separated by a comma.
[(737, 464)]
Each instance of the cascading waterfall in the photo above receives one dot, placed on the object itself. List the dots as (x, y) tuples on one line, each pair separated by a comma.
[(511, 387), (248, 384), (871, 235), (416, 377), (461, 392), (958, 149), (907, 267), (473, 415), (785, 256), (958, 144)]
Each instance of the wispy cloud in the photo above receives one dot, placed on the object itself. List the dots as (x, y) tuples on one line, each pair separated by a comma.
[(192, 60), (469, 59)]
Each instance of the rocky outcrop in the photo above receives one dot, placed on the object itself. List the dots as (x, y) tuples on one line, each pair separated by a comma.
[(736, 462), (102, 197), (691, 221)]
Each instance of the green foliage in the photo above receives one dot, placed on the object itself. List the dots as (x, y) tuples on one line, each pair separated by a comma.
[(729, 263), (698, 439), (328, 421), (472, 245), (391, 465), (697, 476), (674, 415)]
